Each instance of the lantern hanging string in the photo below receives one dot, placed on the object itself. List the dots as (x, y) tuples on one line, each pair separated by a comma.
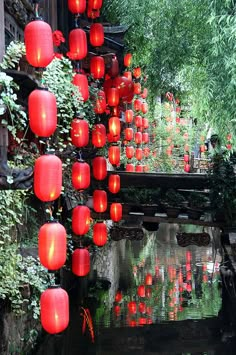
[(36, 8)]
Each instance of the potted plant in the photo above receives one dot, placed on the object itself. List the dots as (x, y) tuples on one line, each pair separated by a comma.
[(196, 204), (173, 202)]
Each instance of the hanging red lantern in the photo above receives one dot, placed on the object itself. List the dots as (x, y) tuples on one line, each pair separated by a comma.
[(114, 183), (139, 153), (91, 13), (129, 133), (145, 123), (127, 60), (99, 201), (52, 245), (138, 137), (81, 81), (137, 105), (115, 111), (169, 151), (138, 121), (96, 34), (146, 168), (78, 44), (113, 97), (81, 220), (116, 211), (141, 291), (148, 279), (118, 296), (38, 43), (177, 120), (114, 154), (95, 4), (142, 307), (99, 164), (79, 132), (146, 152), (139, 168), (125, 86), (128, 75), (144, 107), (114, 69), (100, 234), (54, 310), (42, 112), (100, 104), (114, 126), (148, 292), (97, 67), (129, 168), (132, 307), (137, 88), (80, 175), (80, 262), (187, 168), (145, 137), (129, 151), (186, 158), (99, 135), (137, 72), (129, 115), (144, 93), (48, 177), (77, 6), (202, 148), (112, 139)]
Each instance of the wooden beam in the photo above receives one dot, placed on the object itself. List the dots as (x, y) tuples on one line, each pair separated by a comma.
[(2, 30)]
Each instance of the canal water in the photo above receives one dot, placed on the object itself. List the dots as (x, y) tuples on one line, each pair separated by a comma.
[(149, 296)]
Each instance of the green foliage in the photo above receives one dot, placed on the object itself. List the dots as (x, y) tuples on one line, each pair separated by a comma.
[(197, 200), (13, 54), (173, 198)]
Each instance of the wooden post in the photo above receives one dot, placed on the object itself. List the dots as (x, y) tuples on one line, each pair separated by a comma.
[(2, 30)]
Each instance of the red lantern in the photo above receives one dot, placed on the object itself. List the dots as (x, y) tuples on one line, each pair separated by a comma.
[(129, 151), (137, 105), (129, 168), (129, 116), (81, 81), (145, 137), (54, 307), (93, 13), (128, 75), (99, 168), (202, 148), (52, 245), (132, 307), (117, 310), (118, 297), (99, 201), (186, 158), (116, 211), (125, 86), (81, 220), (113, 97), (77, 6), (114, 126), (139, 168), (38, 44), (169, 151), (187, 168), (80, 262), (78, 44), (79, 132), (177, 120), (138, 121), (112, 139), (114, 154), (129, 134), (146, 152), (48, 177), (96, 34), (142, 307), (141, 291), (127, 59), (99, 135), (95, 4), (97, 67), (144, 107), (114, 183), (114, 69), (99, 234), (137, 88), (137, 72), (100, 104), (42, 112), (148, 279), (145, 123), (148, 292), (139, 153), (80, 175), (138, 137), (145, 93)]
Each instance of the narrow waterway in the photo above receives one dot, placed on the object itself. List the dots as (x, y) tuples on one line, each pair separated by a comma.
[(147, 297)]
